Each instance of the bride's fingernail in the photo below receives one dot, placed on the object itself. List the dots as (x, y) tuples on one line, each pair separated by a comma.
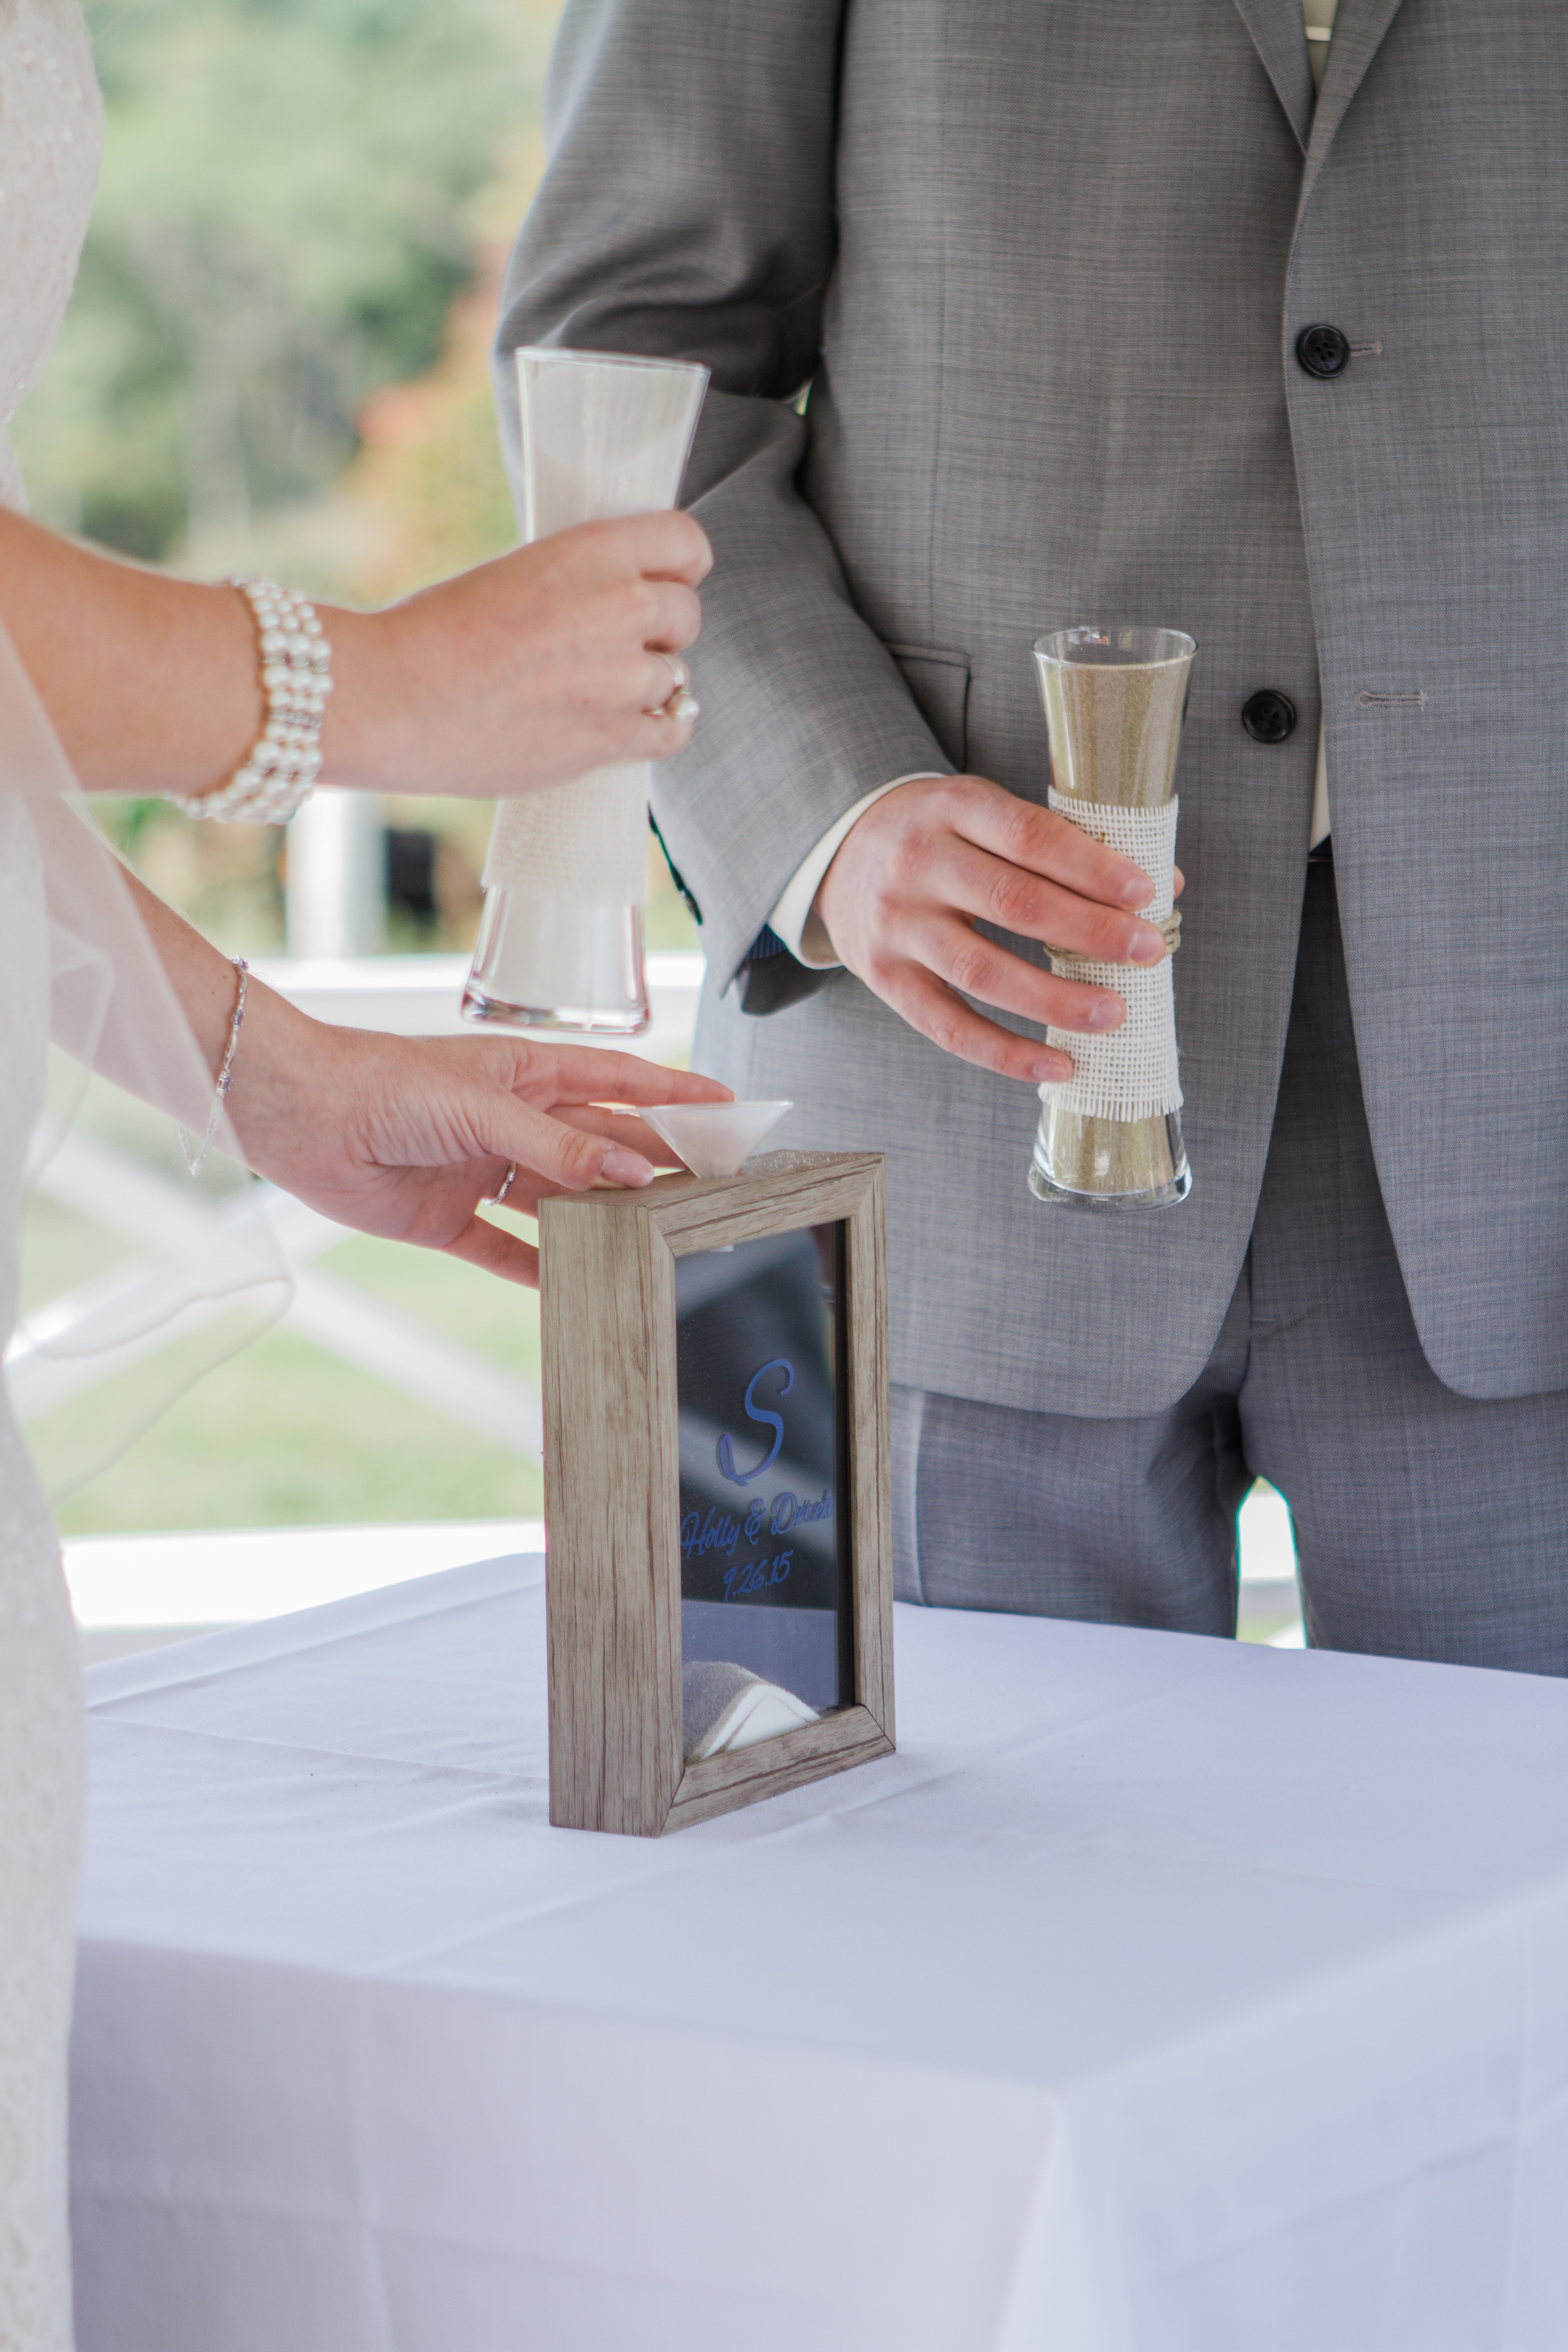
[(622, 1167)]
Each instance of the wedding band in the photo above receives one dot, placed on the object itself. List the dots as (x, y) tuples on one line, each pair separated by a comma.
[(679, 703), (494, 1200)]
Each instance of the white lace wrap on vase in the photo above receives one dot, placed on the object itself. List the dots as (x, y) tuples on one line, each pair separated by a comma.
[(583, 844), (1131, 1073)]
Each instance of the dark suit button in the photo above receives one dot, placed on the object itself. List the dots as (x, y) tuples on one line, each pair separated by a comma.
[(1322, 350), (1269, 716)]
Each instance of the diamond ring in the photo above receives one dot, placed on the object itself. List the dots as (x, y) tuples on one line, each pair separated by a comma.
[(679, 703)]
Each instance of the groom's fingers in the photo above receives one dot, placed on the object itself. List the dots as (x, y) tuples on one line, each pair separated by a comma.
[(1041, 842), (937, 857), (1014, 898), (965, 960), (939, 1013)]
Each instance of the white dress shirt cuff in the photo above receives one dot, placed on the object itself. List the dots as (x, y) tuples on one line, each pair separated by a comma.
[(1321, 825), (792, 921)]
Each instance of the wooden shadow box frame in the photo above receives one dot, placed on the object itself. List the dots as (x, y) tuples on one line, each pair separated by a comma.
[(611, 1489)]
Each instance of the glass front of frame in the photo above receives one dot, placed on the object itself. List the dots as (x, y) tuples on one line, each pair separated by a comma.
[(767, 1635)]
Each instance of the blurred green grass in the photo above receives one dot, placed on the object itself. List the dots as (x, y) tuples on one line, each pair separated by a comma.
[(286, 1435), (62, 1252)]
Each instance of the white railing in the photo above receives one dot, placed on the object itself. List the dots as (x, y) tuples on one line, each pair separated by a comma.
[(419, 995)]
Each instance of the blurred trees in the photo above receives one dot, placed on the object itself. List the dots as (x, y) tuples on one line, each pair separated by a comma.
[(276, 356), (276, 359), (284, 222)]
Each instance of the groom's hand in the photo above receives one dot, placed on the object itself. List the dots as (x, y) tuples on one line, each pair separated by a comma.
[(929, 861)]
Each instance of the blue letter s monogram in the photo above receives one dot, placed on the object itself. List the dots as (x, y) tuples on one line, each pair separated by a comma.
[(774, 1421)]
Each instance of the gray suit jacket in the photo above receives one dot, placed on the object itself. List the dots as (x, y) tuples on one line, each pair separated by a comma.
[(1045, 263)]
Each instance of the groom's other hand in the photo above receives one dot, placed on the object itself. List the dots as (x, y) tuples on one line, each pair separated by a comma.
[(929, 861)]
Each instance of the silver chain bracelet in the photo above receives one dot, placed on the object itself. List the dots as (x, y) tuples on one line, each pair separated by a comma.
[(197, 1159), (284, 761)]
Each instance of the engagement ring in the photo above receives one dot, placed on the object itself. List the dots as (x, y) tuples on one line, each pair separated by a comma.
[(680, 702)]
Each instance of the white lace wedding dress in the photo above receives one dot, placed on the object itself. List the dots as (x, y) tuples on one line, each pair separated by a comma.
[(50, 135)]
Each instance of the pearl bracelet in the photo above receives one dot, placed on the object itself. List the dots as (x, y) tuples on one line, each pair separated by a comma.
[(284, 761)]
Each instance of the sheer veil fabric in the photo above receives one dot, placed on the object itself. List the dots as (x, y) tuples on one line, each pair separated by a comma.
[(76, 965), (49, 135), (112, 1015), (40, 1712), (78, 969)]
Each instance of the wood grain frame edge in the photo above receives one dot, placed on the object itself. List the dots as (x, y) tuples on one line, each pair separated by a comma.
[(871, 1483), (832, 1187), (722, 1784), (604, 1349)]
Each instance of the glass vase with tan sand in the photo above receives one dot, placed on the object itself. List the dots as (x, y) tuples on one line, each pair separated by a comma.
[(1111, 1136)]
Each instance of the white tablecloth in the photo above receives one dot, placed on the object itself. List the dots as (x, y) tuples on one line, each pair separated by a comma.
[(1158, 1993)]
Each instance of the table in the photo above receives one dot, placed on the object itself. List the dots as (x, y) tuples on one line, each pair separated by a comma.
[(1159, 1994)]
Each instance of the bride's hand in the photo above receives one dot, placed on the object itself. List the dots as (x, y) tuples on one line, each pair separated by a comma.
[(407, 1138), (524, 672)]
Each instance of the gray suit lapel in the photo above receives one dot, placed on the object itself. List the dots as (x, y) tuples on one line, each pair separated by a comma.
[(1276, 27), (1359, 28)]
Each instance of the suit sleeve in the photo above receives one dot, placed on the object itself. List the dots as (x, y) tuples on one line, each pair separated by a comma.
[(687, 212)]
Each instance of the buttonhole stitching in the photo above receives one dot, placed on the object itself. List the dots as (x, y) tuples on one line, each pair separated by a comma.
[(1366, 350), (1368, 701)]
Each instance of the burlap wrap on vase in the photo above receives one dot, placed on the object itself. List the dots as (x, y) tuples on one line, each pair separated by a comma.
[(1131, 1073), (1110, 1137)]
